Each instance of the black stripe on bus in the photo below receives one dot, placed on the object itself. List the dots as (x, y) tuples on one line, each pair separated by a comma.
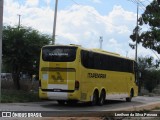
[(55, 90)]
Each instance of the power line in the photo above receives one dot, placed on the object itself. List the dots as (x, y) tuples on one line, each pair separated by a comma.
[(81, 6), (148, 28), (93, 13), (140, 6), (148, 1), (138, 1), (155, 54), (144, 6), (75, 2)]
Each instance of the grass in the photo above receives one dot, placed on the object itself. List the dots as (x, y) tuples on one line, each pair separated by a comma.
[(12, 96)]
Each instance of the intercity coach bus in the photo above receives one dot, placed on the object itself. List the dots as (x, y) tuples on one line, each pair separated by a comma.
[(71, 73)]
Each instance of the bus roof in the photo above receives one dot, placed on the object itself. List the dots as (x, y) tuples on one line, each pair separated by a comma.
[(94, 50), (106, 52), (110, 53)]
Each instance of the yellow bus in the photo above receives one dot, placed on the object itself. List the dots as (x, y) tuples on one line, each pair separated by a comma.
[(71, 73)]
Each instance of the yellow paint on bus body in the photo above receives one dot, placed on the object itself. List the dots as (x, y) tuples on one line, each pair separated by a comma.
[(58, 79)]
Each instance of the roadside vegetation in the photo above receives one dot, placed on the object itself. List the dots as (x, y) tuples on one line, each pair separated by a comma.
[(21, 51), (21, 54), (14, 96), (150, 38), (149, 75)]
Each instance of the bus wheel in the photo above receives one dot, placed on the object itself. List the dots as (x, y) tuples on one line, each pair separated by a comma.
[(102, 98), (128, 99), (72, 102), (94, 98), (61, 102)]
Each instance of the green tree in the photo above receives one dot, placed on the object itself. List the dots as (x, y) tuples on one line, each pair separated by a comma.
[(151, 79), (21, 48), (151, 37), (147, 66)]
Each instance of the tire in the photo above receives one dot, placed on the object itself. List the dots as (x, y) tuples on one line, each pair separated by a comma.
[(129, 99), (72, 102), (61, 102), (94, 99), (102, 98)]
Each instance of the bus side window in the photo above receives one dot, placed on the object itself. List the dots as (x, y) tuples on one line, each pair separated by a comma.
[(97, 62), (85, 58), (91, 60)]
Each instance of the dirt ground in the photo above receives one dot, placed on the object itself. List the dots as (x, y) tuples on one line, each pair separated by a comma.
[(74, 118), (149, 108)]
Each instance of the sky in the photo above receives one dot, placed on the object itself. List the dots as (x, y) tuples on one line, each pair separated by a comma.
[(82, 22)]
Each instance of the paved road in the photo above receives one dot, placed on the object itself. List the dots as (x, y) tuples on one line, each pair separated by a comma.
[(113, 105)]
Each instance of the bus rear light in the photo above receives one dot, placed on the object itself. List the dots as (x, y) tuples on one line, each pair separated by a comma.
[(76, 85)]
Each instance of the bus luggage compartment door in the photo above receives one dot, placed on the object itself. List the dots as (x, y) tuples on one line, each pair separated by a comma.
[(61, 80)]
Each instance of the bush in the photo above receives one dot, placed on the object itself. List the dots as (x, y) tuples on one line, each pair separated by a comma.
[(7, 84), (151, 79), (18, 96)]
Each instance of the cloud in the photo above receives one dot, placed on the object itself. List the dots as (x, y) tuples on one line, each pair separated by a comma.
[(78, 24), (96, 1), (10, 17), (47, 2), (142, 52), (32, 3), (122, 17)]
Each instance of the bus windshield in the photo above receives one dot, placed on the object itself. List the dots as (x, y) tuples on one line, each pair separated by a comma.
[(59, 53)]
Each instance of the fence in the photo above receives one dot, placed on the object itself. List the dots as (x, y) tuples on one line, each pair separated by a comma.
[(26, 83)]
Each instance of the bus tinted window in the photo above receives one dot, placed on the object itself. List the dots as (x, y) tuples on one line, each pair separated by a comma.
[(99, 61), (59, 54)]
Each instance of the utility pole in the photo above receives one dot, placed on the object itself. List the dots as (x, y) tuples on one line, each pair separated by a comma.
[(136, 34), (126, 54), (136, 59), (54, 24), (1, 27), (100, 41), (19, 21)]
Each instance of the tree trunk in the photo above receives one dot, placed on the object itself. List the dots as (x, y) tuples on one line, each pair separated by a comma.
[(16, 77), (16, 80), (139, 86)]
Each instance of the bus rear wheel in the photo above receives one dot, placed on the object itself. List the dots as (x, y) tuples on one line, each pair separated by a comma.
[(72, 102), (129, 99), (102, 98), (94, 98)]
